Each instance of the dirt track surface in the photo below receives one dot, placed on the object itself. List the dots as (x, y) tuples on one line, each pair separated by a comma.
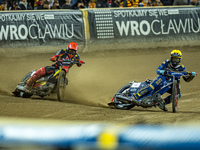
[(93, 85)]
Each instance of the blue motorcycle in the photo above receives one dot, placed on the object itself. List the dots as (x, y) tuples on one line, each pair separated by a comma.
[(123, 98)]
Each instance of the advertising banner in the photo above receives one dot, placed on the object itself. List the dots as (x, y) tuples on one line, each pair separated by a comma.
[(144, 24), (41, 27)]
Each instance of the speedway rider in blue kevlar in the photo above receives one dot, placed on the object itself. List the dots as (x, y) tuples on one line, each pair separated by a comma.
[(172, 64), (70, 54)]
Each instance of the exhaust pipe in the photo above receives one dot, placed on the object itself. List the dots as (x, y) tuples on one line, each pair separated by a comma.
[(126, 100)]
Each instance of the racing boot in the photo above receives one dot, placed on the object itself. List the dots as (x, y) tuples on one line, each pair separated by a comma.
[(37, 75), (161, 105)]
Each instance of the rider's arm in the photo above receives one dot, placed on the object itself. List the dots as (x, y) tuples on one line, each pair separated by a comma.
[(189, 76), (54, 58), (58, 55), (77, 59), (161, 67)]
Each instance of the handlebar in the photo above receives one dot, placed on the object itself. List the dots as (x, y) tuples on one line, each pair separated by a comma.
[(70, 62), (179, 74)]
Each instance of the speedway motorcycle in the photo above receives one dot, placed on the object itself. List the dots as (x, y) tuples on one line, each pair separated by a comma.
[(122, 99), (51, 83)]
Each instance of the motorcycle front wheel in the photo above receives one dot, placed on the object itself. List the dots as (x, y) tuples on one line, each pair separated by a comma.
[(61, 85), (175, 96)]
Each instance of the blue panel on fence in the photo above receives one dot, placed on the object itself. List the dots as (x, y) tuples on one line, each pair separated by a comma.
[(101, 136), (160, 137), (59, 136)]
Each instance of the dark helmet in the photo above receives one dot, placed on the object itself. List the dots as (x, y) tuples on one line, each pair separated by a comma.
[(175, 58), (72, 49)]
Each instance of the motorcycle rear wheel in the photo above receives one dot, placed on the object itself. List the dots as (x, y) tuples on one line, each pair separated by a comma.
[(23, 83), (26, 77), (61, 85), (175, 96), (121, 105)]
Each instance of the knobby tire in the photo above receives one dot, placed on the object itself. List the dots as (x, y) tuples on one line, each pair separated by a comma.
[(61, 84), (175, 96)]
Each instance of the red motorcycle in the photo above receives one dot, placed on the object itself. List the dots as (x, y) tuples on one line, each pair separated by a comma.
[(51, 83)]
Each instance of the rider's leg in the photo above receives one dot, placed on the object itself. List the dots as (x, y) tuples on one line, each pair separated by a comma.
[(149, 88), (144, 91), (38, 74), (152, 86), (168, 99), (160, 102)]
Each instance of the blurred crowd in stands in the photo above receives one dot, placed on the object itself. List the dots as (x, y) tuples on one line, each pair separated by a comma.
[(6, 5)]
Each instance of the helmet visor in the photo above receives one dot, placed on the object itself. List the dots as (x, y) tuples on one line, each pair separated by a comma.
[(71, 51)]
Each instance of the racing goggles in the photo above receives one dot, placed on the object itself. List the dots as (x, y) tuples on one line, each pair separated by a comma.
[(71, 51), (177, 60)]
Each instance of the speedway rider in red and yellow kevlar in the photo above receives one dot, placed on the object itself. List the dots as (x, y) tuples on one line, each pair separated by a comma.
[(69, 54), (172, 64)]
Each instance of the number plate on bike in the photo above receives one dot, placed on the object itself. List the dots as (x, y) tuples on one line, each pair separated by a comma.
[(135, 85)]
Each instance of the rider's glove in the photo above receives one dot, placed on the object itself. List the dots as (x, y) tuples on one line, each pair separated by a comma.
[(194, 74), (163, 72), (54, 59), (80, 62)]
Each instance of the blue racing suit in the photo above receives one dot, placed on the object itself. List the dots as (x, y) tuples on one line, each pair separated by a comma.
[(166, 65)]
